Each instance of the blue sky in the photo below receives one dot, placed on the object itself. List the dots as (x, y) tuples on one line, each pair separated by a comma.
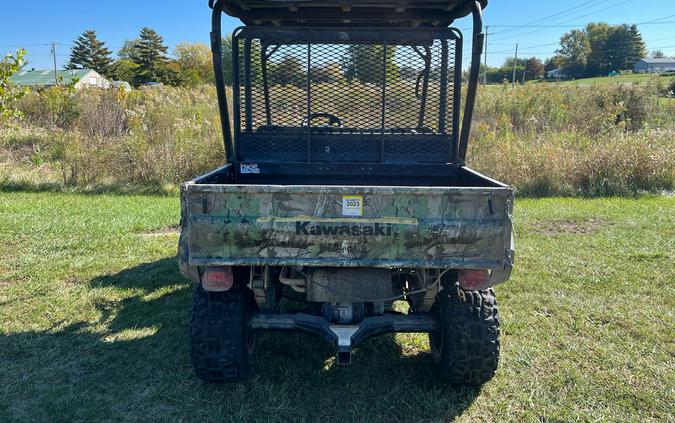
[(40, 22)]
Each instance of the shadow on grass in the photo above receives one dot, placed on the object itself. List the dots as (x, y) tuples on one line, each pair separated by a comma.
[(135, 362)]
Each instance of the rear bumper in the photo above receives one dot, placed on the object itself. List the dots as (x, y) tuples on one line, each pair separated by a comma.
[(344, 337)]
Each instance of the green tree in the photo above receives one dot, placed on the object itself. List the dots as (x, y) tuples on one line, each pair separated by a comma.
[(128, 48), (173, 74), (90, 53), (638, 48), (226, 47), (506, 70), (227, 54), (625, 47), (149, 53), (364, 62), (600, 49), (534, 68), (575, 49), (326, 73), (123, 70), (195, 63), (553, 63), (598, 60), (658, 54), (10, 95), (256, 61), (289, 70)]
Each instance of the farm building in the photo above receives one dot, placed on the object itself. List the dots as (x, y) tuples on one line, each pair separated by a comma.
[(655, 65), (37, 78), (556, 74)]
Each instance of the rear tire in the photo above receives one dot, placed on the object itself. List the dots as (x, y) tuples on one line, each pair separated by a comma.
[(221, 341), (465, 348)]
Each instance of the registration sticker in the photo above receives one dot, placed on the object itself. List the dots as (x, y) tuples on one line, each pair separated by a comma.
[(352, 205), (249, 168)]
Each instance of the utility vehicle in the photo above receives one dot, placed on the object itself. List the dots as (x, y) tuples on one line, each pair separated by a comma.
[(345, 187)]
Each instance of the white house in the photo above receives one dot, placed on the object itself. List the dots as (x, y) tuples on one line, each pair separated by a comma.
[(556, 74)]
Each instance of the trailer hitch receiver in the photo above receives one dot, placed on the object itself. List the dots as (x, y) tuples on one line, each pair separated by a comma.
[(344, 342)]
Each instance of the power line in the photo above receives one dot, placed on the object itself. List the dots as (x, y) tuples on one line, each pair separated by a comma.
[(594, 51), (540, 45), (561, 24), (569, 20), (25, 45), (656, 20), (48, 54), (547, 18), (510, 52), (558, 43), (662, 39), (575, 26)]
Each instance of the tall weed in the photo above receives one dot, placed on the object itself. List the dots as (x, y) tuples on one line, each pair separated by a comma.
[(145, 136), (543, 139)]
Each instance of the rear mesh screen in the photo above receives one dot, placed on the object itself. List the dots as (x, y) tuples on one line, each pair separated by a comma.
[(367, 100)]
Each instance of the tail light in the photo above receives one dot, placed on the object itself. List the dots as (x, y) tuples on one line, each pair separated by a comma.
[(474, 280), (217, 279)]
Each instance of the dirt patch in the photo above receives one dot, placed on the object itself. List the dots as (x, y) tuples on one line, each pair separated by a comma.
[(71, 280), (568, 227), (167, 230)]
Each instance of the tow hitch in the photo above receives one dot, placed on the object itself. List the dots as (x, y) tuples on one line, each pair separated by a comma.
[(344, 343), (344, 337)]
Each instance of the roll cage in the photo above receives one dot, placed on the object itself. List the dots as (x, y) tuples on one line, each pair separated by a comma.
[(282, 65)]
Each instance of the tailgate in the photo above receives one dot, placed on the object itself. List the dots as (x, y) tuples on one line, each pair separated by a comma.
[(346, 226)]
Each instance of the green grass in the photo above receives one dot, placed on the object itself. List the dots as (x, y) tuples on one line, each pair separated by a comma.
[(93, 318), (623, 79)]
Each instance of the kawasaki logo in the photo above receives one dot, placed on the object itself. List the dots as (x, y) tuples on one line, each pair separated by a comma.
[(377, 229)]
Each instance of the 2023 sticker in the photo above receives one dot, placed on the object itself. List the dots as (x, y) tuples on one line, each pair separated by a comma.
[(352, 205)]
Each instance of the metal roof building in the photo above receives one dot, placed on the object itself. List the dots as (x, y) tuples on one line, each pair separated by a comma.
[(44, 78), (664, 64)]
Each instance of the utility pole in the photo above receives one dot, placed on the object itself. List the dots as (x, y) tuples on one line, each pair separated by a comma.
[(485, 51), (56, 79), (515, 62)]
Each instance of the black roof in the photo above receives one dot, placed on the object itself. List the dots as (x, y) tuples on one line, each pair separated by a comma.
[(407, 13)]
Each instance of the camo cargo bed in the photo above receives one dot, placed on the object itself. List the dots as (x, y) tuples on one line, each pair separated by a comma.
[(457, 220)]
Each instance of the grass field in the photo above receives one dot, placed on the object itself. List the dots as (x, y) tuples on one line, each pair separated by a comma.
[(93, 318), (623, 79)]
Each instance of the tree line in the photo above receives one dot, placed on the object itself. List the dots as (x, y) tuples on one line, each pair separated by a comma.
[(527, 69), (144, 59), (596, 50)]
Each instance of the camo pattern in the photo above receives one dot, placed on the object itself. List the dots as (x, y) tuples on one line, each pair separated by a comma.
[(306, 226)]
